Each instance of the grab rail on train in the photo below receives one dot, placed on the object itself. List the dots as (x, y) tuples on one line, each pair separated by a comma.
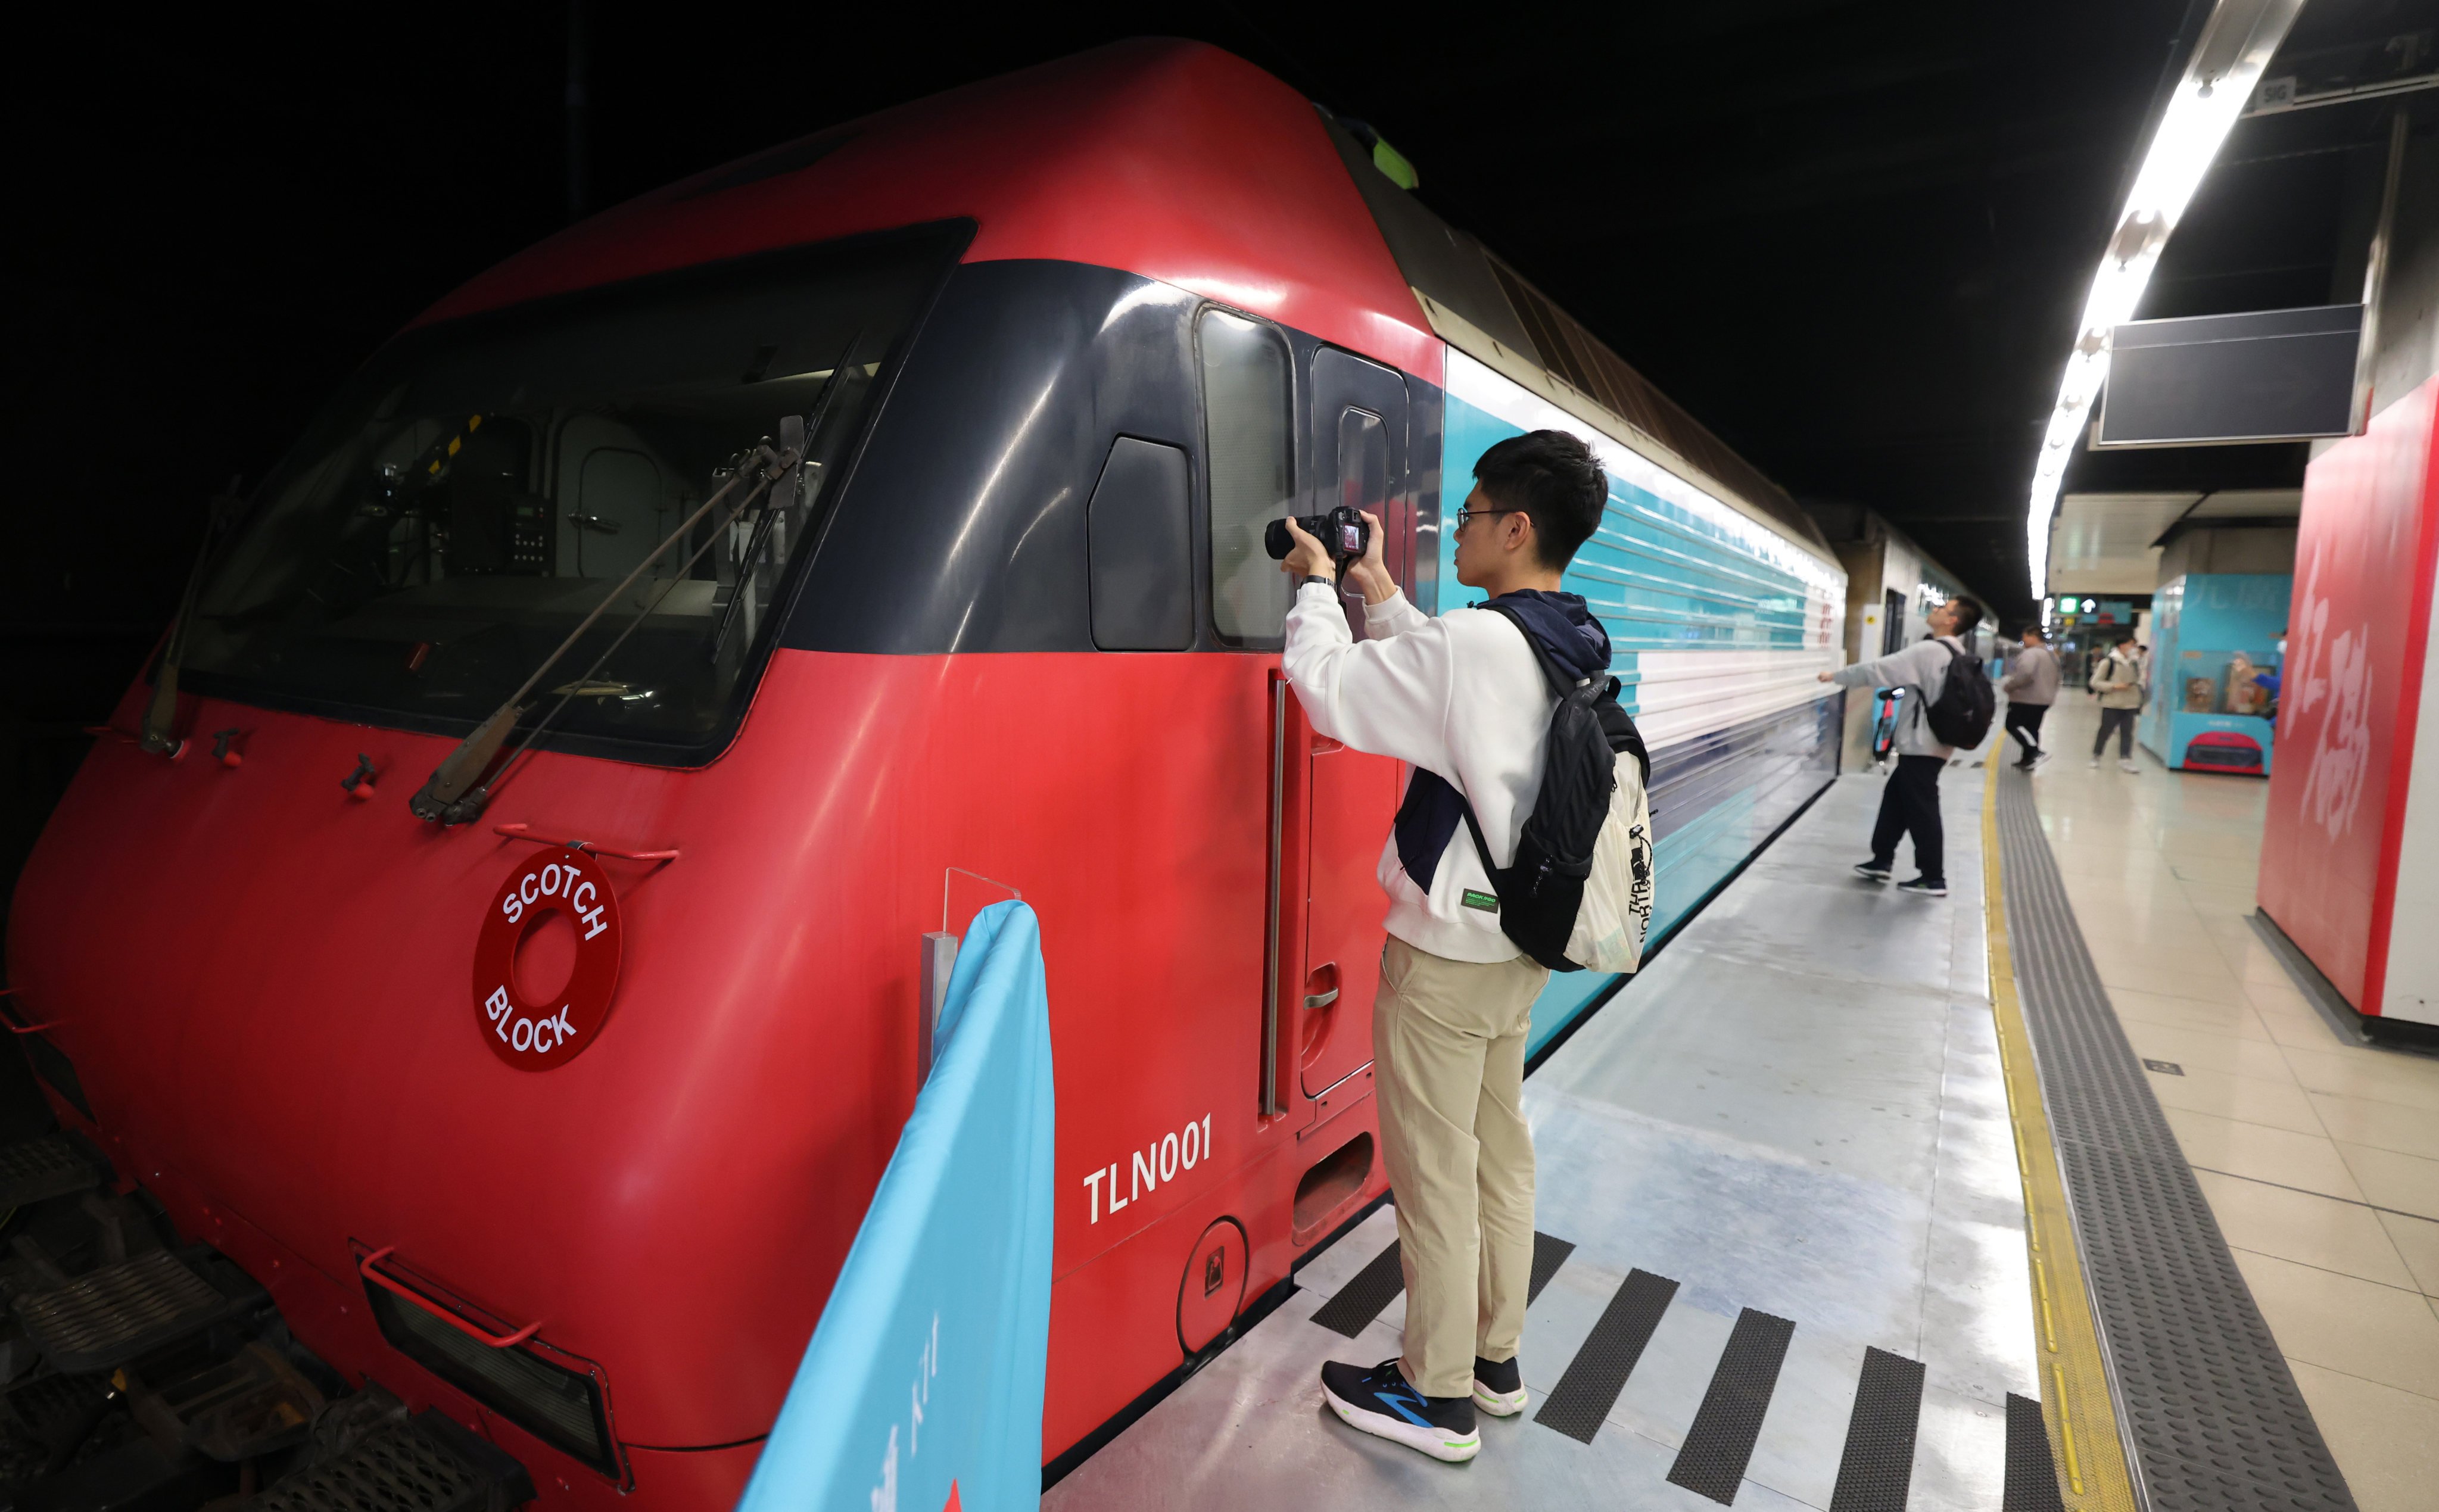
[(9, 1017), (524, 832), (407, 1294)]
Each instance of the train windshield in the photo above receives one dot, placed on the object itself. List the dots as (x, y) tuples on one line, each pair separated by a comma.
[(484, 484)]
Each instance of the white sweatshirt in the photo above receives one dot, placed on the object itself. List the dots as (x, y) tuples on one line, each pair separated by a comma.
[(1461, 695)]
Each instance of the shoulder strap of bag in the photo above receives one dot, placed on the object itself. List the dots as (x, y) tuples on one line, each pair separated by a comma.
[(1561, 683), (1482, 847)]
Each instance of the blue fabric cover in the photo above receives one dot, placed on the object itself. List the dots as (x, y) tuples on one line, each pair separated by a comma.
[(925, 1372)]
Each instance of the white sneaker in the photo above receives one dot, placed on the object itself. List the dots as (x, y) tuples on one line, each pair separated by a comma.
[(2128, 766), (2041, 759), (2096, 763)]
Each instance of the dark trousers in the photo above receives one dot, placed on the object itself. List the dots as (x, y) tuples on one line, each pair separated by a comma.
[(1910, 804), (2122, 721), (2025, 724)]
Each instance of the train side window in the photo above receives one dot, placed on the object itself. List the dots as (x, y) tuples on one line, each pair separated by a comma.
[(1363, 462), (1250, 440), (1138, 531)]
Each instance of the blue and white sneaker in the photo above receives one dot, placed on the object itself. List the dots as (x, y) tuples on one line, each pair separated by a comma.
[(1498, 1388), (1379, 1401)]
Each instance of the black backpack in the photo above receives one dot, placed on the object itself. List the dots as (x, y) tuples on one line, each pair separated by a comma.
[(1960, 715), (1538, 896)]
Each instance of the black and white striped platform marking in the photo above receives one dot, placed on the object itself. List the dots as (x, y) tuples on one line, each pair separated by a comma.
[(1875, 1469), (1352, 1308)]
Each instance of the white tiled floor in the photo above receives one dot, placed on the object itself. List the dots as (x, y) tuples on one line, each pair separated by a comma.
[(2320, 1157)]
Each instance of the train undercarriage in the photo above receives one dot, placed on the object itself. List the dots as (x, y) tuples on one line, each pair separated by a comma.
[(140, 1374)]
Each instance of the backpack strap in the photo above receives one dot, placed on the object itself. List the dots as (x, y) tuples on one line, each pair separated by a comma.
[(1482, 847), (1627, 739), (1561, 683)]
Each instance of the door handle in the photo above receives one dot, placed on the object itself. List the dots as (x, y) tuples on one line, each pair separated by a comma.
[(1321, 986)]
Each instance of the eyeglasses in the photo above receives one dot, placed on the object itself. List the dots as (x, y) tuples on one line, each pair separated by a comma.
[(1463, 515)]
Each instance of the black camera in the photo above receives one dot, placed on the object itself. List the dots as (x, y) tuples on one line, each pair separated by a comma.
[(1341, 530)]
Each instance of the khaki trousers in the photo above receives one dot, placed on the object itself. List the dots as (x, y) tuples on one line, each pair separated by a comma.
[(1448, 1043)]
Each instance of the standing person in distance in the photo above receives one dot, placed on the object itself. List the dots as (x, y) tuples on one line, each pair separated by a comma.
[(2118, 680), (2031, 686), (1462, 697), (1910, 799)]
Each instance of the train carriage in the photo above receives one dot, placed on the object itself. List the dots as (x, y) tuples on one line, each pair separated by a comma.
[(1032, 363)]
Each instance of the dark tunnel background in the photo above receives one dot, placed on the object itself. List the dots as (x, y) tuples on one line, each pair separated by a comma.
[(1851, 238)]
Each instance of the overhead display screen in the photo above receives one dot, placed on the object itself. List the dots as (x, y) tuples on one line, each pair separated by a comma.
[(2272, 375)]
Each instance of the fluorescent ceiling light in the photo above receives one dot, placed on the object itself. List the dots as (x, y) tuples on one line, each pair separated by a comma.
[(2236, 46)]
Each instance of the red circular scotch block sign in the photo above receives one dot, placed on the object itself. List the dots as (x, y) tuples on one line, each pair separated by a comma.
[(546, 961)]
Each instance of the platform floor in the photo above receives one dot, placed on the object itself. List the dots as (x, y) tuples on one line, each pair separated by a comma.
[(2319, 1154), (1795, 1109)]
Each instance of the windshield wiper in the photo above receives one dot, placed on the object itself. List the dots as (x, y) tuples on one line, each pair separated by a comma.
[(157, 734), (457, 790)]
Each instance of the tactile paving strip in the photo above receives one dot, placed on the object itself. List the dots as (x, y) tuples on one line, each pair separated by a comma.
[(1580, 1401), (110, 1316), (2212, 1416), (1548, 1254), (1351, 1310), (1727, 1425), (1877, 1465), (33, 1169)]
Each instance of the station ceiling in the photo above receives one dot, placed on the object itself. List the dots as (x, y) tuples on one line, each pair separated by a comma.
[(1850, 235)]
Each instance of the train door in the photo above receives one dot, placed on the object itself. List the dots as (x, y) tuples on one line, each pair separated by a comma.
[(1359, 442)]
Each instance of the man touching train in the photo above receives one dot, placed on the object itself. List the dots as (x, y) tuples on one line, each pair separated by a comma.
[(1462, 698)]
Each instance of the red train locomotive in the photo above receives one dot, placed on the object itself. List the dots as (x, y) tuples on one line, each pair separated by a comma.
[(569, 1143)]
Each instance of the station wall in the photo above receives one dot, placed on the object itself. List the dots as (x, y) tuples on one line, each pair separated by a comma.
[(2351, 844)]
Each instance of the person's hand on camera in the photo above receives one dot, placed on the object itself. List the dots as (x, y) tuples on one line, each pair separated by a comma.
[(1825, 677), (1307, 557), (1371, 574)]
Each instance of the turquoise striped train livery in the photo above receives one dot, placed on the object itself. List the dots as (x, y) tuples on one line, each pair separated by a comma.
[(1720, 622)]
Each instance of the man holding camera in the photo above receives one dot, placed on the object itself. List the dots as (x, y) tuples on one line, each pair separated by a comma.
[(1462, 698)]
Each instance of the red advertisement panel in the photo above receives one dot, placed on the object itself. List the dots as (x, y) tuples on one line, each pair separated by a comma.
[(2347, 712)]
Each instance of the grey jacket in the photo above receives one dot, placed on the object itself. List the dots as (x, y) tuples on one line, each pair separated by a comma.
[(2118, 680), (2034, 676), (1921, 666)]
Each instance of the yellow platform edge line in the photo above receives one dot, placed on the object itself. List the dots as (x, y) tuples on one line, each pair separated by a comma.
[(2075, 1401)]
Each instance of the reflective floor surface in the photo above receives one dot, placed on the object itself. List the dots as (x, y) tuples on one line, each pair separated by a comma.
[(1795, 1109), (2320, 1155)]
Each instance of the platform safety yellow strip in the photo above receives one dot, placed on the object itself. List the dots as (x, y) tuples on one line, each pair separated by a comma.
[(2076, 1402)]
